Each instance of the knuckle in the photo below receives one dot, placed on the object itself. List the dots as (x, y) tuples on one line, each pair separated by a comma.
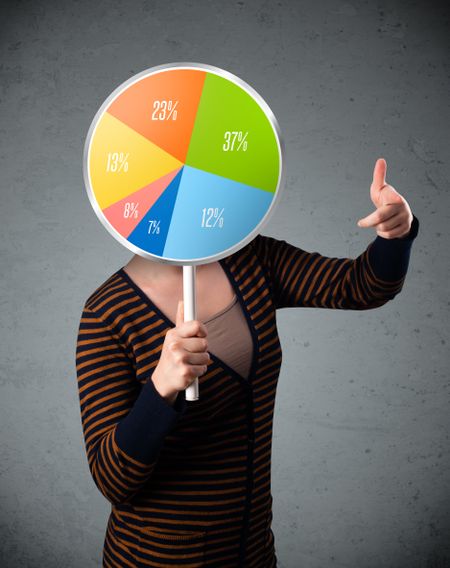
[(185, 373)]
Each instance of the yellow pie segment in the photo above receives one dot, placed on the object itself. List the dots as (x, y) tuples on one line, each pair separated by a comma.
[(121, 161)]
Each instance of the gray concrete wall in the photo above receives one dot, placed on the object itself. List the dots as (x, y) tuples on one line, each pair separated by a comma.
[(361, 442)]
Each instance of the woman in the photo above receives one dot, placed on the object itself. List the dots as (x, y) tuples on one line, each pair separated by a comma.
[(189, 481)]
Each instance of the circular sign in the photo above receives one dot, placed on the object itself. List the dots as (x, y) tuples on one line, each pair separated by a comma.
[(183, 163)]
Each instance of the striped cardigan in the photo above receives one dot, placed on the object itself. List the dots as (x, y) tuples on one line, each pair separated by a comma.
[(190, 484)]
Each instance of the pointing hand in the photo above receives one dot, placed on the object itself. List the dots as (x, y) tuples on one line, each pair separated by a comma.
[(392, 217)]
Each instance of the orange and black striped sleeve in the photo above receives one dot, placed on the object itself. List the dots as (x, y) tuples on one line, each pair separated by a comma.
[(299, 278), (124, 423)]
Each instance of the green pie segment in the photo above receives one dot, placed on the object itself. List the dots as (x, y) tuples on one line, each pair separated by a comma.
[(232, 136)]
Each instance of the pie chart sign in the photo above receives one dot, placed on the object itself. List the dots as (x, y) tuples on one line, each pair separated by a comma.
[(183, 163)]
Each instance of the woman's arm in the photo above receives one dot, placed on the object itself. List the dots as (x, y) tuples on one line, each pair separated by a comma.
[(308, 279), (124, 423)]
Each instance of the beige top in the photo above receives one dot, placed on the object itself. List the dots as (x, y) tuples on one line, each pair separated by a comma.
[(229, 338)]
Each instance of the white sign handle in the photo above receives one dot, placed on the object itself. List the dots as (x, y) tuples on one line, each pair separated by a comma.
[(190, 313)]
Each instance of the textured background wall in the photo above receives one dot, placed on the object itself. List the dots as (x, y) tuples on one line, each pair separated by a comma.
[(361, 443)]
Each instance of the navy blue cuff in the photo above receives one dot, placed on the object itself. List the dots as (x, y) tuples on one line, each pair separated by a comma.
[(389, 258), (414, 229), (141, 433)]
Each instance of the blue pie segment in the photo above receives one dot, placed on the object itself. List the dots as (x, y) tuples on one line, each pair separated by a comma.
[(211, 214), (151, 233)]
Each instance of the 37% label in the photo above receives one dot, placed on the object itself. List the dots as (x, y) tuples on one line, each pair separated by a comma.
[(235, 141)]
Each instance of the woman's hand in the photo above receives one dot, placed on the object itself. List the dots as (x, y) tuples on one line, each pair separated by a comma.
[(393, 216), (184, 356)]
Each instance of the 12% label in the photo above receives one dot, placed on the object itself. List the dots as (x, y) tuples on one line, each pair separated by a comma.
[(211, 217)]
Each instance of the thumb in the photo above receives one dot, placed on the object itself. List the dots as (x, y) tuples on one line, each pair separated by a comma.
[(180, 313)]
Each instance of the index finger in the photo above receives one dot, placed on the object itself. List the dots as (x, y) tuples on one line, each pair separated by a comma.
[(383, 213), (192, 328)]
